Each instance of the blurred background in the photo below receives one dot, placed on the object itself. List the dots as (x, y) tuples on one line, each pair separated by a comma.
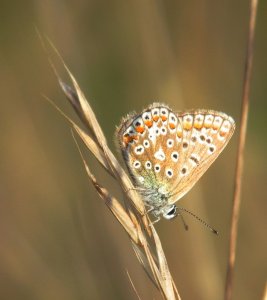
[(57, 238)]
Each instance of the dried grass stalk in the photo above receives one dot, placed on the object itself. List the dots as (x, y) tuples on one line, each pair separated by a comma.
[(132, 217), (240, 153)]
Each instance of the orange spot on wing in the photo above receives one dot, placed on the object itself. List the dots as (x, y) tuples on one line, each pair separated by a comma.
[(155, 118), (140, 129), (197, 126), (171, 125), (163, 118), (129, 138), (223, 133), (215, 126), (187, 125), (126, 139), (149, 123), (179, 134)]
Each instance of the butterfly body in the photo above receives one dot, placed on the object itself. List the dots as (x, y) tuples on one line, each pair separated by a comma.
[(167, 152)]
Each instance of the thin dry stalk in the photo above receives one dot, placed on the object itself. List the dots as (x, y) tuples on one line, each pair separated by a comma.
[(133, 219), (134, 288), (264, 296), (240, 153)]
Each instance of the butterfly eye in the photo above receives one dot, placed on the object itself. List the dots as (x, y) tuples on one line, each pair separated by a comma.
[(170, 212)]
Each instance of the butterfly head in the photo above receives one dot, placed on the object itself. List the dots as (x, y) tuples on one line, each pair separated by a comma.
[(169, 212)]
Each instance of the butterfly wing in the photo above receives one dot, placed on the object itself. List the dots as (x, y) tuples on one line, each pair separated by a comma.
[(138, 137), (203, 136), (168, 152)]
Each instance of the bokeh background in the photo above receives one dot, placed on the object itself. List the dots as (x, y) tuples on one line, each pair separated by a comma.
[(57, 238)]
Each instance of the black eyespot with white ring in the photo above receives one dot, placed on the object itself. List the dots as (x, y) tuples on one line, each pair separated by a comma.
[(138, 122), (175, 156), (172, 118), (146, 116), (148, 165), (155, 112), (169, 172), (146, 143), (139, 150), (137, 164), (170, 143), (130, 130), (164, 111), (211, 149), (157, 168), (163, 130)]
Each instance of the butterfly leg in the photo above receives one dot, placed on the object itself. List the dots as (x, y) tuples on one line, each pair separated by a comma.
[(138, 189), (150, 208), (155, 221)]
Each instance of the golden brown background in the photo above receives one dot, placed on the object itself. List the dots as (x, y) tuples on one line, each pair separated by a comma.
[(57, 238)]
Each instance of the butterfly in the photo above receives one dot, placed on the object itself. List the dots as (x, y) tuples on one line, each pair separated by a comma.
[(166, 152)]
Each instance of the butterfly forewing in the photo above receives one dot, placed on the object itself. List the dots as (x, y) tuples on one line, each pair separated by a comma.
[(170, 151), (205, 133)]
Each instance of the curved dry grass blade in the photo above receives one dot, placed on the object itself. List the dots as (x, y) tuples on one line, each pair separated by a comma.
[(163, 267), (125, 182), (116, 208), (132, 284), (144, 263), (167, 294), (87, 115), (93, 147), (113, 204), (240, 153), (73, 98), (86, 110), (132, 222), (89, 142), (264, 297)]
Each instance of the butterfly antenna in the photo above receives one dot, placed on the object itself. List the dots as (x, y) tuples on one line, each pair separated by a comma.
[(183, 221), (200, 220)]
